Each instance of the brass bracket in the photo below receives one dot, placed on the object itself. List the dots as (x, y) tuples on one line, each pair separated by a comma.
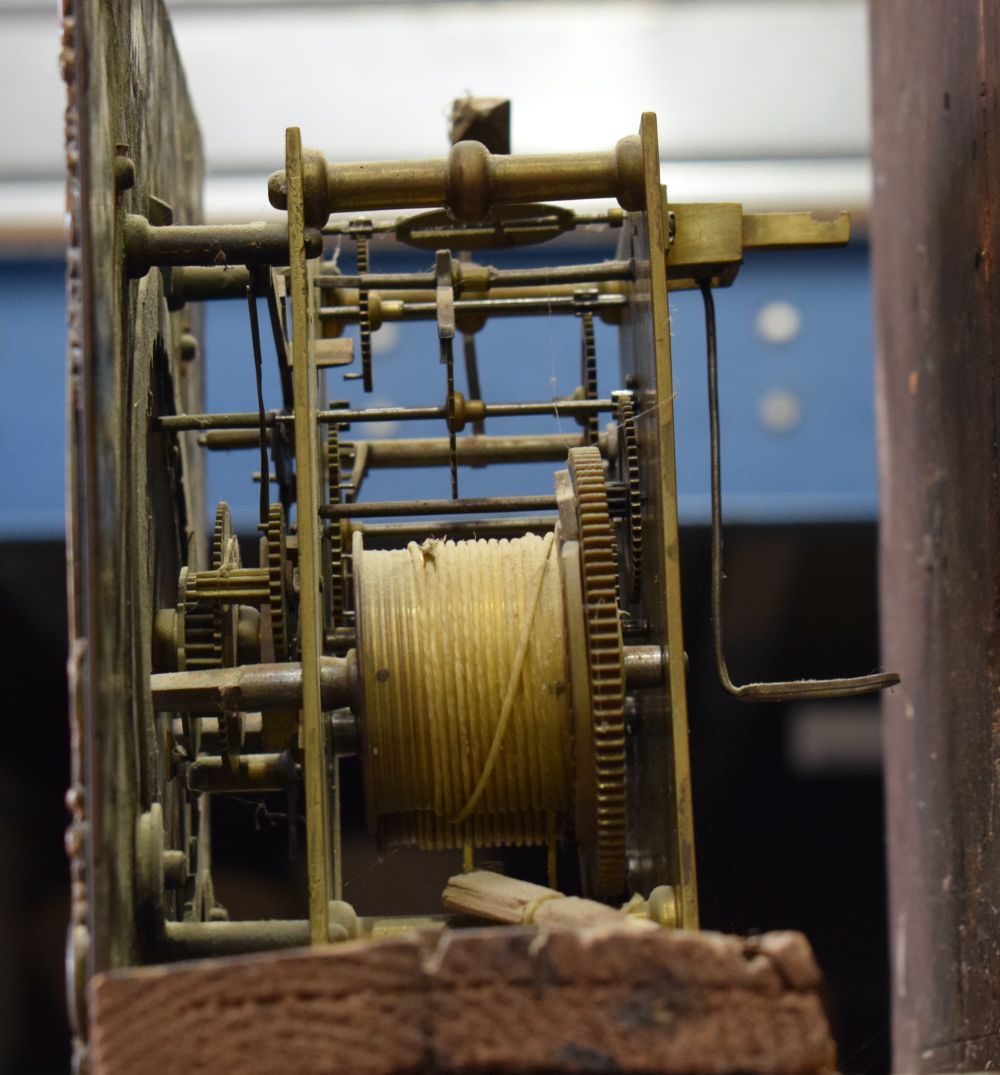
[(708, 240)]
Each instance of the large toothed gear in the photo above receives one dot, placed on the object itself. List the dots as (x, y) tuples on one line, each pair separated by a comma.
[(277, 560), (605, 661), (628, 469)]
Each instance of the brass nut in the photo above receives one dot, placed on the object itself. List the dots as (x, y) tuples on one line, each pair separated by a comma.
[(189, 347), (467, 276), (375, 317), (124, 169), (464, 411), (277, 189)]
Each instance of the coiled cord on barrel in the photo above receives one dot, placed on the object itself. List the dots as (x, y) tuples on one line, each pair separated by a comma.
[(467, 708)]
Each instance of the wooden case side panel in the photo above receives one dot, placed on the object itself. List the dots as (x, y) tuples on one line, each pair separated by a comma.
[(935, 241)]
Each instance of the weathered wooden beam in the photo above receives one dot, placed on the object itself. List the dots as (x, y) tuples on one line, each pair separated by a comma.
[(936, 240), (499, 1000)]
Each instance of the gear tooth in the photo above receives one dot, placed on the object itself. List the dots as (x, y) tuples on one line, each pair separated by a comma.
[(339, 591), (229, 737), (202, 649), (605, 659), (221, 534), (205, 629), (277, 595), (588, 376), (203, 626), (628, 462), (364, 318)]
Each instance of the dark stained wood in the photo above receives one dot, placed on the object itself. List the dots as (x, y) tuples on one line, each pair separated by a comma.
[(492, 1000), (482, 119), (936, 243)]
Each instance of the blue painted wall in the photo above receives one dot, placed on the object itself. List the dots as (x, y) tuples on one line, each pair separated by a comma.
[(797, 423), (32, 398)]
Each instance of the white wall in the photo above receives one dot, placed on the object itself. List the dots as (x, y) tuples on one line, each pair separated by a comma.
[(764, 101)]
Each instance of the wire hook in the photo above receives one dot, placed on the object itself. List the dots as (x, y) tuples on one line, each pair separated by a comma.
[(793, 690)]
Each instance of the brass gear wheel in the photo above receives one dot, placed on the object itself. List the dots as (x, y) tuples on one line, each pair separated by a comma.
[(209, 630), (605, 660), (225, 555), (202, 624), (628, 468), (277, 560), (199, 650)]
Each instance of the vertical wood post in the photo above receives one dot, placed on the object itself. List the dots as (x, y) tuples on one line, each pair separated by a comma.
[(936, 237)]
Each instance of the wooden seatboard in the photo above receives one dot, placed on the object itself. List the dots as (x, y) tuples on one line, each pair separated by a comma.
[(492, 1000)]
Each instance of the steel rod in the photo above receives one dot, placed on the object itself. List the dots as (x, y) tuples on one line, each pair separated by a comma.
[(251, 420), (564, 407), (206, 940), (645, 666), (193, 284), (229, 440), (212, 245), (235, 420), (505, 307), (473, 450), (348, 296), (594, 273), (464, 506), (253, 773), (342, 726), (381, 226), (465, 528)]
